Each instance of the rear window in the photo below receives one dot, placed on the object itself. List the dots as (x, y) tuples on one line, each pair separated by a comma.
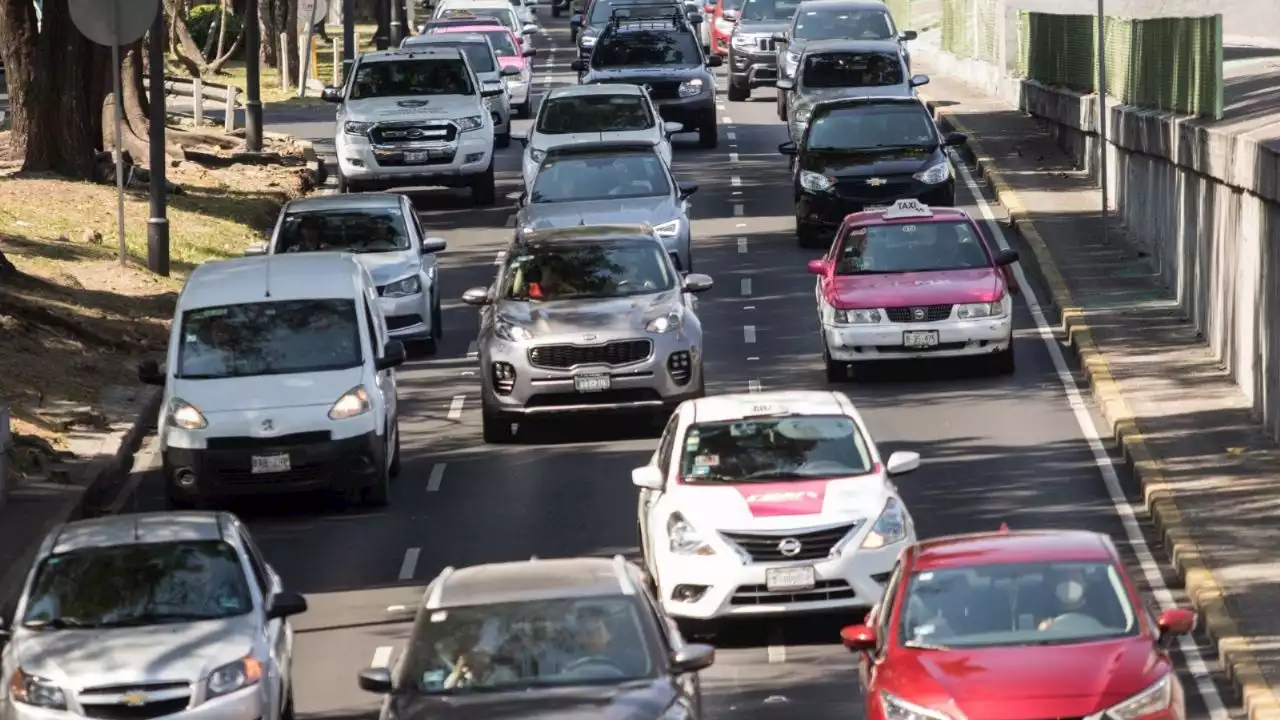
[(594, 113), (846, 24), (269, 338), (852, 69), (647, 48), (505, 15), (431, 76), (477, 54), (501, 42)]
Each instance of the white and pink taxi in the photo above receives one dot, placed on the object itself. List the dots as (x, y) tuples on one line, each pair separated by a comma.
[(770, 503), (914, 282)]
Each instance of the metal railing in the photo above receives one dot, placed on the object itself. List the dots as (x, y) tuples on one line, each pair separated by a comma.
[(229, 98)]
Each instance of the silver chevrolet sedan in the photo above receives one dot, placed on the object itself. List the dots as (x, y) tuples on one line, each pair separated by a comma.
[(173, 615), (587, 319)]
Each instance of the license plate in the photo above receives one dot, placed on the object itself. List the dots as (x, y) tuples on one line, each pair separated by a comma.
[(920, 338), (591, 383), (416, 157), (270, 463), (789, 578)]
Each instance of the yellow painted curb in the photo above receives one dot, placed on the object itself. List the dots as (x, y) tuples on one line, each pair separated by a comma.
[(1236, 651)]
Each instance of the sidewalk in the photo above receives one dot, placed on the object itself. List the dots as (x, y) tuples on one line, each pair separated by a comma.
[(1206, 469)]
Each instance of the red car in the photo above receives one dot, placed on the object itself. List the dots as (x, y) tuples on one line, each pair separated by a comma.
[(1017, 625), (722, 14)]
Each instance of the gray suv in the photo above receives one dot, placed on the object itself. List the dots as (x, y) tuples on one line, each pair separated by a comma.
[(586, 320)]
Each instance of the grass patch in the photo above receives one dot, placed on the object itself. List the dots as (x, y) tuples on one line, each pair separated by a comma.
[(273, 93)]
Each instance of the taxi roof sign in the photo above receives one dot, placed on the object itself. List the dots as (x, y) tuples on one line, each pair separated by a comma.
[(907, 209), (752, 408)]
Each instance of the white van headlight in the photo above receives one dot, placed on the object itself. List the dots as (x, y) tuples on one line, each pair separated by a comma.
[(352, 403), (185, 415), (890, 527)]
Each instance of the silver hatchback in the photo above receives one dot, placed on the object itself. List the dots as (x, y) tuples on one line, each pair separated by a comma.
[(587, 319)]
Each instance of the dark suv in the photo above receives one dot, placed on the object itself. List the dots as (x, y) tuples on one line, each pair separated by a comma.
[(753, 53), (656, 47)]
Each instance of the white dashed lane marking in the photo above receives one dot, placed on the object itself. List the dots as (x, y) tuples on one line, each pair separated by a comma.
[(455, 407), (749, 334), (410, 563), (436, 477), (746, 287), (733, 157), (735, 181), (382, 657), (755, 386), (738, 210), (742, 246)]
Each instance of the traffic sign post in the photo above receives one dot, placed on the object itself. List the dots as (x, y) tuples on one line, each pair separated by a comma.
[(311, 12), (115, 23)]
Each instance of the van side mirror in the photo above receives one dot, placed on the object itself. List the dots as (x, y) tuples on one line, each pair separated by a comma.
[(918, 80), (255, 249), (149, 373), (906, 35), (692, 658), (476, 296), (687, 190), (955, 139), (376, 680), (393, 355)]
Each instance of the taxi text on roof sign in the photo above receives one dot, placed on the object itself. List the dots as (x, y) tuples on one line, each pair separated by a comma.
[(907, 209)]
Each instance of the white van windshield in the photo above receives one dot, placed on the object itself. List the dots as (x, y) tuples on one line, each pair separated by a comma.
[(269, 338)]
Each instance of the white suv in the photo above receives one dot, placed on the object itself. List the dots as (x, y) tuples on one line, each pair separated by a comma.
[(414, 118)]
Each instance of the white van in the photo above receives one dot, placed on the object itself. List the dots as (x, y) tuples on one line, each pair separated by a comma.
[(280, 377)]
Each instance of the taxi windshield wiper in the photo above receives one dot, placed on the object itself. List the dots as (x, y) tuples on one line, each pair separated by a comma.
[(57, 623)]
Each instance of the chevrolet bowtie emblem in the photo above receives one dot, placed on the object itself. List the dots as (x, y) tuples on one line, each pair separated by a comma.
[(876, 182), (135, 699)]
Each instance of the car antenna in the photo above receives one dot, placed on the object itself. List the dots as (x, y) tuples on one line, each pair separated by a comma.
[(267, 290)]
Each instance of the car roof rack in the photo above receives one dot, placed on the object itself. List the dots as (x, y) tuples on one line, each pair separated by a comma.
[(649, 16)]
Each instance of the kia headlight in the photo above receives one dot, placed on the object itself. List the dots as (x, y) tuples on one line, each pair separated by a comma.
[(976, 311), (666, 323), (863, 316), (185, 415), (36, 691), (512, 333), (742, 42), (469, 123), (352, 127), (411, 285), (1148, 702), (537, 155), (667, 230), (815, 182), (895, 708), (353, 403), (690, 88), (890, 527), (939, 173), (684, 539), (243, 673)]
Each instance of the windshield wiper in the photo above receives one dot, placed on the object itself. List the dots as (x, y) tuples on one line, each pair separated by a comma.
[(158, 619), (924, 646), (767, 475), (57, 623)]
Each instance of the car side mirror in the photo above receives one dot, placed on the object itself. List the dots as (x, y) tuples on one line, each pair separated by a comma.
[(1175, 622), (697, 283), (919, 80), (331, 94), (715, 61), (779, 37), (906, 35), (520, 137), (787, 148), (902, 462), (491, 92), (672, 128), (858, 638), (578, 66), (687, 190), (255, 249), (285, 604), (376, 680), (695, 18), (528, 29), (393, 355), (477, 296), (692, 658), (819, 267), (647, 478), (149, 373), (530, 52), (956, 139), (510, 70), (784, 84), (1006, 257), (433, 245)]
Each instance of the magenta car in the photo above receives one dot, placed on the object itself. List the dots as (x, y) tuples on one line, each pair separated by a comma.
[(507, 46)]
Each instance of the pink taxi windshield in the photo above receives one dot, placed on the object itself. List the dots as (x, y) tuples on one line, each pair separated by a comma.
[(912, 247)]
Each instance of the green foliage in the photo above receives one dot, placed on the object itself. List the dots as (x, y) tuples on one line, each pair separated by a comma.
[(203, 19)]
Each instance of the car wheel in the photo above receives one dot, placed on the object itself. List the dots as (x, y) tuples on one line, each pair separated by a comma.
[(1002, 363), (782, 107), (503, 141), (805, 235), (394, 469), (737, 93), (484, 190), (837, 372), (497, 429), (437, 325), (709, 136), (342, 183)]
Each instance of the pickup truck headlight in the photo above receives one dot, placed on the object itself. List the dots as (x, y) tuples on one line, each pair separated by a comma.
[(353, 402), (1155, 698), (690, 88), (814, 182), (411, 285), (588, 42), (667, 229), (353, 127), (231, 677), (469, 123), (512, 333), (802, 115), (683, 539), (935, 174), (890, 527), (185, 415), (974, 311), (36, 691)]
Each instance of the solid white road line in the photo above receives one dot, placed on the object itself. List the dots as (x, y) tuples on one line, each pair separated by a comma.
[(436, 477), (736, 181), (410, 563), (754, 385), (733, 157), (473, 350), (455, 407), (742, 246), (738, 210), (726, 120), (382, 657), (749, 333), (1132, 530), (746, 286), (777, 654)]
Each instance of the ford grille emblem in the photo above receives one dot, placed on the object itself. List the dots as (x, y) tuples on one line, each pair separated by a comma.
[(876, 182), (918, 313), (268, 426), (790, 547), (414, 133)]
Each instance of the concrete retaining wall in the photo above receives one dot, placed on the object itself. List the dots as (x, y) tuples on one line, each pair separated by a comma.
[(1206, 202)]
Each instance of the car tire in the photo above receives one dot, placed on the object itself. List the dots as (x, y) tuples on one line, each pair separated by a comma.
[(555, 11), (709, 136), (497, 429), (394, 469), (837, 371), (437, 323), (484, 189), (806, 237), (346, 186), (503, 141), (1003, 363), (737, 93)]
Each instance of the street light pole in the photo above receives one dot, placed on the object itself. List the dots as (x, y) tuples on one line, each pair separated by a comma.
[(1102, 117), (348, 37), (397, 23), (158, 224), (253, 78)]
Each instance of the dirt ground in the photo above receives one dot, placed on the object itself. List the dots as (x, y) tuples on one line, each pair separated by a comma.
[(74, 321)]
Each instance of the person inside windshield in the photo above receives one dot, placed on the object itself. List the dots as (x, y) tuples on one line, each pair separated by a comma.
[(208, 352), (1068, 585), (595, 646), (477, 667), (445, 80), (307, 238)]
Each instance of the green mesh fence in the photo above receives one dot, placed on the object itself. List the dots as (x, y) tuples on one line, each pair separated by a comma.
[(957, 28), (987, 16), (1060, 50), (901, 12), (971, 29)]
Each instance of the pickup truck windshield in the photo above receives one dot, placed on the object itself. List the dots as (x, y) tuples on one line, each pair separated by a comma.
[(429, 76)]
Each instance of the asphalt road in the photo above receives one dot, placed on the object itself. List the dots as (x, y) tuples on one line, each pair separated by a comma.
[(1006, 449)]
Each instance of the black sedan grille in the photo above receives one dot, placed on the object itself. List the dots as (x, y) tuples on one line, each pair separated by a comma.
[(874, 189), (658, 89), (814, 545), (924, 313), (156, 709), (413, 131), (563, 357)]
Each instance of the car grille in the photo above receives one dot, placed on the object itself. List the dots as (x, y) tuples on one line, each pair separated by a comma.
[(105, 702), (766, 44), (156, 709), (822, 590), (814, 545), (563, 357), (608, 397), (658, 89), (261, 443), (924, 313), (860, 190), (413, 131)]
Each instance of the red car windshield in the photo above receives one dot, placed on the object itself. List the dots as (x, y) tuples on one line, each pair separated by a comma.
[(906, 247), (1016, 604)]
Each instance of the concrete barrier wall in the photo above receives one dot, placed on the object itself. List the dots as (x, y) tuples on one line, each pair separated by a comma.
[(1206, 202)]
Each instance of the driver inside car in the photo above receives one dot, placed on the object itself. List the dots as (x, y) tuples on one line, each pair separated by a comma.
[(597, 653), (1069, 585)]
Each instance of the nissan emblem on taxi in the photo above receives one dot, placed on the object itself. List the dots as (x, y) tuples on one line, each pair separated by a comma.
[(790, 547), (918, 313), (908, 209)]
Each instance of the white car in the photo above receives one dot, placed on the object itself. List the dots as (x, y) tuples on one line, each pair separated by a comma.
[(770, 503), (608, 112), (508, 15)]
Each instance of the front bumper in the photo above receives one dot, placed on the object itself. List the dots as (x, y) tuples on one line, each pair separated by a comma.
[(316, 462), (244, 704), (409, 317), (885, 340), (692, 112), (825, 211), (469, 155), (730, 587), (635, 387), (753, 69)]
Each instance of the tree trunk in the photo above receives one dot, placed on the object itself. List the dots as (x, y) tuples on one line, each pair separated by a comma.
[(290, 31), (222, 29), (218, 62), (57, 79), (269, 23), (188, 51), (135, 98)]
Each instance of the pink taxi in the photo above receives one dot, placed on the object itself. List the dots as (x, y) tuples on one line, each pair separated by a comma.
[(507, 47), (910, 281)]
